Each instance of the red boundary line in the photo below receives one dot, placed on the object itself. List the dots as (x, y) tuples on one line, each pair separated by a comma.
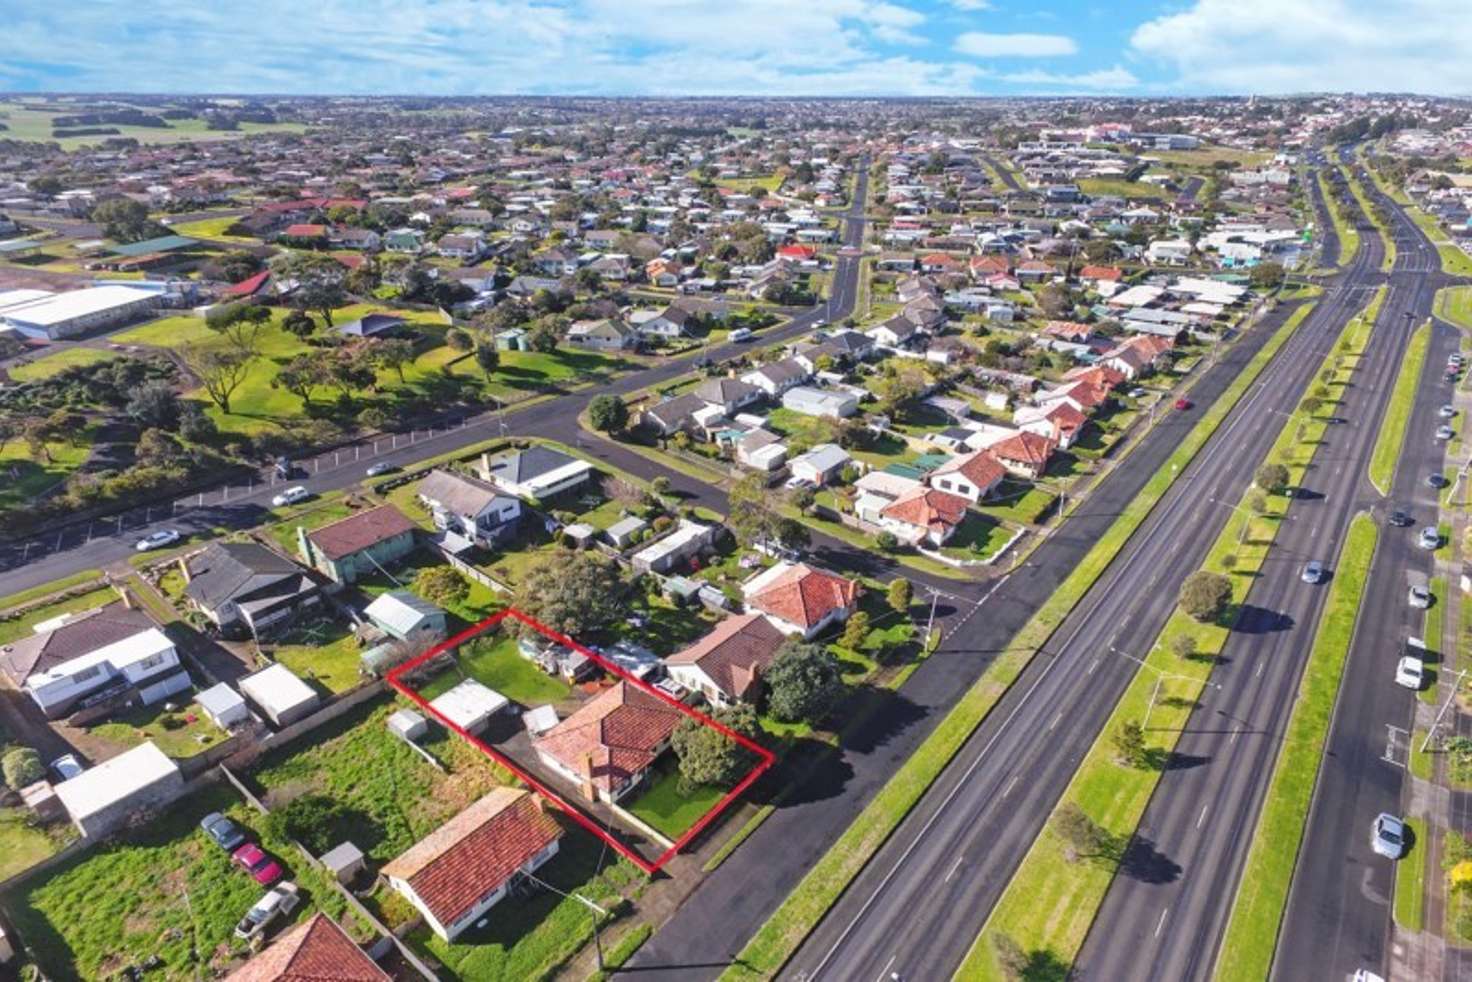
[(765, 757)]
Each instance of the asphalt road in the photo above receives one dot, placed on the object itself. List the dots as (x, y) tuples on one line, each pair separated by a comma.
[(1167, 923), (1338, 916)]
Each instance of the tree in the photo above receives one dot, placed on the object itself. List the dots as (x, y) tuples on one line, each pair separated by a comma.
[(1266, 275), (22, 767), (125, 220), (1310, 405), (441, 585), (1205, 595), (706, 755), (240, 324), (608, 413), (751, 515), (488, 358), (1183, 645), (394, 354), (1129, 744), (572, 592), (1272, 477), (855, 631), (220, 372), (1081, 835), (1257, 503), (900, 594), (156, 448), (300, 377), (542, 337), (155, 404), (299, 325), (319, 282), (803, 683), (802, 498), (351, 370), (317, 821)]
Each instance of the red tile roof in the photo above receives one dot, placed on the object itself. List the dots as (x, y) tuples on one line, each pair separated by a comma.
[(316, 950), (358, 532), (735, 653), (797, 252), (927, 508), (1112, 273), (804, 596), (475, 852), (1026, 447), (614, 736), (305, 231), (980, 468), (250, 287)]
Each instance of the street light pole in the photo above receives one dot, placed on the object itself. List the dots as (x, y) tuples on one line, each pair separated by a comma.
[(1160, 678)]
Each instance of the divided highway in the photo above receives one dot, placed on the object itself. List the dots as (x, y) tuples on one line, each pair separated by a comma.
[(917, 907)]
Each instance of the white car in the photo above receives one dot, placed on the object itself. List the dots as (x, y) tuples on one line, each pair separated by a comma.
[(1430, 538), (1419, 596), (66, 767), (379, 469), (1443, 432), (291, 496), (793, 483), (278, 901), (1447, 412), (157, 540), (1410, 672), (1388, 836)]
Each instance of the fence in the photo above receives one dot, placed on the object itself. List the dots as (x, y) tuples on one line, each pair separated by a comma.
[(338, 707)]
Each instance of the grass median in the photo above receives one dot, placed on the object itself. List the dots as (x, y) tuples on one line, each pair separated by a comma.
[(1252, 931), (1051, 901), (780, 936), (1349, 237), (1397, 417), (1357, 189)]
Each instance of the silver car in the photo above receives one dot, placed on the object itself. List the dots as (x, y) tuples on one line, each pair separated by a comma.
[(1388, 836), (1313, 572), (1419, 596), (1447, 412), (1430, 538), (1444, 432)]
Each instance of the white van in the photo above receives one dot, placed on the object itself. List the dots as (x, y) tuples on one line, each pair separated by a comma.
[(740, 334)]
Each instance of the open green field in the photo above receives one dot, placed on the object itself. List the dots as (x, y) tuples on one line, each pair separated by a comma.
[(1121, 188), (1397, 417), (32, 125), (1208, 156), (55, 362), (1115, 795), (830, 875), (1252, 933), (211, 228), (1454, 305), (23, 477)]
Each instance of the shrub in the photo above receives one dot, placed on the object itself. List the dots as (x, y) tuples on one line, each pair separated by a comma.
[(22, 766)]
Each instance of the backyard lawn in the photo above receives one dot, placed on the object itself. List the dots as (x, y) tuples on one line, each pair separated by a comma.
[(979, 537), (494, 661), (182, 733), (664, 807), (326, 654), (23, 845)]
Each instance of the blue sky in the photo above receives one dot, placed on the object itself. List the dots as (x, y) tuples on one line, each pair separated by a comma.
[(734, 47)]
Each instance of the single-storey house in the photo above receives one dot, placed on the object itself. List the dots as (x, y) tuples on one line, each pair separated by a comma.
[(761, 450), (463, 868), (404, 616), (687, 540), (729, 393), (924, 516), (830, 403), (318, 950), (360, 545), (604, 334), (726, 665), (372, 326), (800, 599), (775, 378), (821, 464), (673, 415), (607, 746), (1025, 454), (973, 476)]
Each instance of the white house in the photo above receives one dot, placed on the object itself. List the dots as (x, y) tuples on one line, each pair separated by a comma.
[(821, 464), (800, 599), (972, 476), (831, 403), (537, 472), (727, 664)]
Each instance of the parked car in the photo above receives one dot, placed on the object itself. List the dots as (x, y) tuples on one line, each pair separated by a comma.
[(1136, 393), (740, 334), (1435, 480), (66, 767), (278, 901), (1444, 432), (1183, 403), (225, 833), (374, 470), (1447, 412), (1388, 836), (1419, 596), (291, 496), (793, 483), (1313, 572), (1430, 538), (1400, 518), (258, 863), (1410, 672), (157, 540)]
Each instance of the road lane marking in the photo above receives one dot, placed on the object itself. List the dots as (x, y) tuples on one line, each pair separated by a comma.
[(959, 861), (1010, 785), (1093, 665), (1260, 666), (1056, 720), (1236, 733), (1202, 817), (1161, 923), (884, 972)]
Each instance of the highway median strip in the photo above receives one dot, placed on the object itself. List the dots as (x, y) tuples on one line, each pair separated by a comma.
[(810, 900), (1055, 894), (1397, 416), (1349, 238), (1262, 896)]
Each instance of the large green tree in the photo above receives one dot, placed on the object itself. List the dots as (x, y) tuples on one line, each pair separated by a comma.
[(804, 683), (571, 592), (708, 756)]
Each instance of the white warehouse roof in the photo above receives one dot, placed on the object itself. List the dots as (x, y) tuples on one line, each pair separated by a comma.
[(63, 307)]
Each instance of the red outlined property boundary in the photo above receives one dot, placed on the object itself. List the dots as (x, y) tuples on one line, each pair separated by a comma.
[(765, 757)]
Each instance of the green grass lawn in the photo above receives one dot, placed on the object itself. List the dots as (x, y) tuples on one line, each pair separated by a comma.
[(529, 938), (1207, 156), (1118, 187), (662, 806), (1020, 503), (179, 734), (1397, 417), (211, 228), (23, 478), (46, 589), (1247, 948), (331, 661), (494, 661), (29, 124), (22, 626), (1410, 879), (395, 797), (979, 537), (1454, 305), (311, 517), (775, 941), (55, 362), (23, 845)]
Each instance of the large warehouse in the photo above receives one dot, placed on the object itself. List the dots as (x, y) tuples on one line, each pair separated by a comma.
[(42, 314)]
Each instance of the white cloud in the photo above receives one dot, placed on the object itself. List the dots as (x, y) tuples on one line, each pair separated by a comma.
[(982, 45), (1105, 79), (971, 5), (1311, 45)]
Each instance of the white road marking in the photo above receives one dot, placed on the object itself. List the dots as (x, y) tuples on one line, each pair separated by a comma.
[(959, 861), (1235, 733), (884, 973), (1010, 785), (1161, 923), (1093, 665), (1056, 720), (1202, 817), (1260, 666)]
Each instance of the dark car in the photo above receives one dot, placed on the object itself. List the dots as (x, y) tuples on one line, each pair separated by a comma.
[(1400, 518), (225, 833)]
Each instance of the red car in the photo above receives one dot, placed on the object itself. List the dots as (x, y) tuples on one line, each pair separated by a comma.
[(1183, 403), (258, 863)]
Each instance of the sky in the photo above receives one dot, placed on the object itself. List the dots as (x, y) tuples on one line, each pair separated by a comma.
[(737, 47)]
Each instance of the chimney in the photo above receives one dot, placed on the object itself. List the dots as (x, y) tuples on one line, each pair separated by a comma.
[(485, 466), (184, 569), (586, 785)]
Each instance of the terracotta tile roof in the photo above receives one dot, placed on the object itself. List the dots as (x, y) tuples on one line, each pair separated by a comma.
[(980, 468), (1065, 417), (615, 735), (927, 508), (804, 596), (305, 231), (1025, 448), (1101, 273), (316, 950), (357, 532), (990, 264), (735, 653), (475, 852), (1067, 329)]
